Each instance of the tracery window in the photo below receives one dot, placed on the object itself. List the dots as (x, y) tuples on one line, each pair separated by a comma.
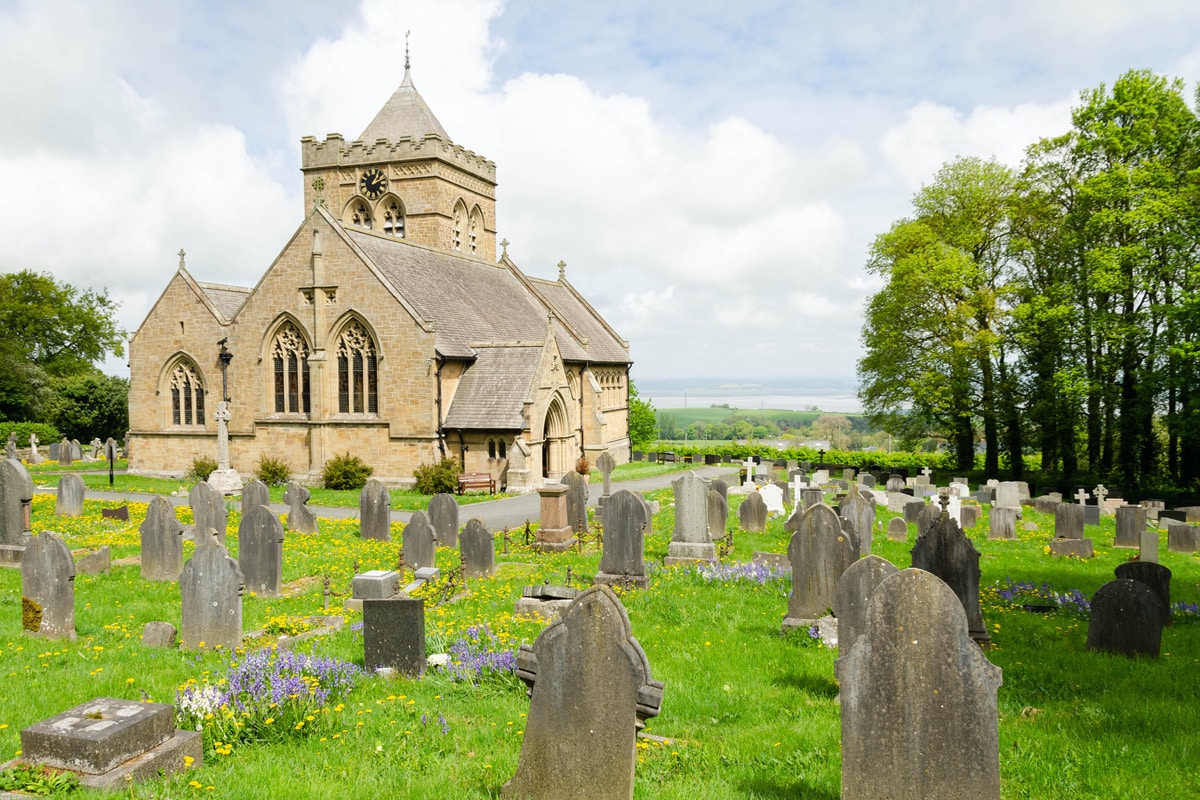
[(358, 371), (473, 232), (460, 211), (187, 395), (289, 354), (393, 219), (358, 215)]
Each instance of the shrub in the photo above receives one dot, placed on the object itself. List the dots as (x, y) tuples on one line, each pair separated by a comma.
[(346, 472), (583, 466), (45, 433), (439, 477), (202, 467), (273, 471)]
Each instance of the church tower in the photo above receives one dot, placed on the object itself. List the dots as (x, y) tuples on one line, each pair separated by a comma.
[(404, 177)]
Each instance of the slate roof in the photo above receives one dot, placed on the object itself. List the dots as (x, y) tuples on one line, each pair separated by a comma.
[(226, 299), (493, 391), (602, 343), (405, 114)]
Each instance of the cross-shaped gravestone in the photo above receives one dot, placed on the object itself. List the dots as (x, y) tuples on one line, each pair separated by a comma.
[(606, 464), (1082, 496), (927, 472), (944, 501), (749, 465), (1100, 492)]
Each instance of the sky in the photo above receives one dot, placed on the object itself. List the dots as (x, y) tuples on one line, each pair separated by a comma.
[(712, 173)]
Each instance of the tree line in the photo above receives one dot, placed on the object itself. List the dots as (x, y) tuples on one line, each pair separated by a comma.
[(1053, 307)]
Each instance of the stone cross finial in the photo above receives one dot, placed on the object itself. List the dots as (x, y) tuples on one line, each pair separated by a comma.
[(1081, 496), (406, 35), (944, 502), (562, 270), (1100, 492), (181, 257), (503, 248)]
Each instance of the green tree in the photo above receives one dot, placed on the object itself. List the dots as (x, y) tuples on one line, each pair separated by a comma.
[(643, 422), (62, 329), (90, 405)]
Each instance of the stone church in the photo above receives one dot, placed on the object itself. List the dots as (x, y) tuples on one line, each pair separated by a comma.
[(388, 328)]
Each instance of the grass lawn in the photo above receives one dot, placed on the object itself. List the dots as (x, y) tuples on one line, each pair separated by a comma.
[(747, 713)]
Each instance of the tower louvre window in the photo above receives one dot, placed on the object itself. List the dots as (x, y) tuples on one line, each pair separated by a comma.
[(393, 220)]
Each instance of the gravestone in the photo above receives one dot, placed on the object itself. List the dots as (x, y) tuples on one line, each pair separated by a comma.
[(419, 542), (718, 514), (208, 512), (897, 529), (254, 493), (945, 551), (625, 523), (374, 511), (299, 519), (811, 497), (896, 501), (64, 453), (95, 562), (69, 500), (895, 484), (786, 490), (76, 450), (752, 513), (968, 516), (54, 451), (48, 588), (748, 465), (919, 699), (35, 457), (210, 589), (690, 541), (10, 447), (1182, 538), (16, 499), (913, 510), (394, 635), (1002, 522), (1125, 619), (477, 551), (1190, 513), (162, 542), (1156, 576), (819, 551), (443, 516), (867, 480), (590, 692), (1068, 521), (928, 514), (260, 551), (638, 455), (375, 584), (719, 485), (851, 597), (772, 497), (576, 501), (861, 516), (159, 635), (792, 523), (1131, 521), (1080, 548), (606, 464), (1046, 504), (1148, 546), (555, 533)]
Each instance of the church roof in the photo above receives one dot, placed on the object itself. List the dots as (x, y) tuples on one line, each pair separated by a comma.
[(492, 393), (226, 299), (404, 115), (602, 342)]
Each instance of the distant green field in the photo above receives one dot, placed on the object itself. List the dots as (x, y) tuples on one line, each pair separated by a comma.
[(710, 416)]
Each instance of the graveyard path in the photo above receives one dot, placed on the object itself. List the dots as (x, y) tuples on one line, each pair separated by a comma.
[(507, 512)]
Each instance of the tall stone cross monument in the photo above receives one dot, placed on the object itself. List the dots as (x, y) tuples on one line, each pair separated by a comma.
[(224, 478)]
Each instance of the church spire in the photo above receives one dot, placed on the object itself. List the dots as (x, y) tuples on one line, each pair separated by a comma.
[(405, 114)]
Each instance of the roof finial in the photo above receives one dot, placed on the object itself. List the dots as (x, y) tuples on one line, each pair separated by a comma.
[(182, 254), (406, 35), (504, 248), (562, 270)]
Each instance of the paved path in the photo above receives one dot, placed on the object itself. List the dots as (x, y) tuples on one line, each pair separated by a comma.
[(507, 512)]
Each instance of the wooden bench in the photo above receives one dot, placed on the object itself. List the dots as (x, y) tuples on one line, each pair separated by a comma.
[(476, 480)]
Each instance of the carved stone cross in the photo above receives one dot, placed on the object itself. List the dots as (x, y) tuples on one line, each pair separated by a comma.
[(1100, 493), (1081, 496), (927, 472)]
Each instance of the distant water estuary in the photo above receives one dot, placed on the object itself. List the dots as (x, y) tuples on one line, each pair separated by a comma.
[(832, 395)]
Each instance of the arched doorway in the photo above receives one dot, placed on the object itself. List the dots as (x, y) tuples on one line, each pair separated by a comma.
[(555, 434)]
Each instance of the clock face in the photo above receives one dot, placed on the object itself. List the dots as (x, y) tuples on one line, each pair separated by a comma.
[(373, 183)]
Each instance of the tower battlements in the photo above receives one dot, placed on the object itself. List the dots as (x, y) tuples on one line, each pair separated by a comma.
[(335, 152)]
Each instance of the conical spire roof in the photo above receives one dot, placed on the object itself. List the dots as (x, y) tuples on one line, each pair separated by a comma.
[(404, 114)]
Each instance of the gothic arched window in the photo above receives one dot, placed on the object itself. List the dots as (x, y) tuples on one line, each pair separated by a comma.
[(289, 356), (187, 395), (358, 371), (473, 231), (393, 218), (358, 215), (460, 211)]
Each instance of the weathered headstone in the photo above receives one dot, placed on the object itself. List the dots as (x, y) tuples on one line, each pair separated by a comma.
[(897, 529), (929, 514), (374, 511), (76, 450), (606, 464), (867, 480), (772, 497), (48, 588), (16, 499), (811, 497), (968, 516), (861, 516), (477, 550), (159, 635), (69, 499), (300, 518), (719, 485), (1148, 546), (913, 510), (625, 523), (10, 447), (1002, 522), (1068, 521), (210, 590), (590, 690), (54, 451), (419, 542), (919, 707), (1182, 538), (162, 542), (577, 496), (375, 584), (895, 484), (555, 533), (394, 634), (851, 596), (208, 512), (1156, 576), (35, 457), (1131, 521), (1125, 619), (64, 452), (752, 513), (443, 516), (260, 551), (95, 562), (945, 551), (820, 551), (690, 541), (718, 514), (1045, 504), (254, 493)]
